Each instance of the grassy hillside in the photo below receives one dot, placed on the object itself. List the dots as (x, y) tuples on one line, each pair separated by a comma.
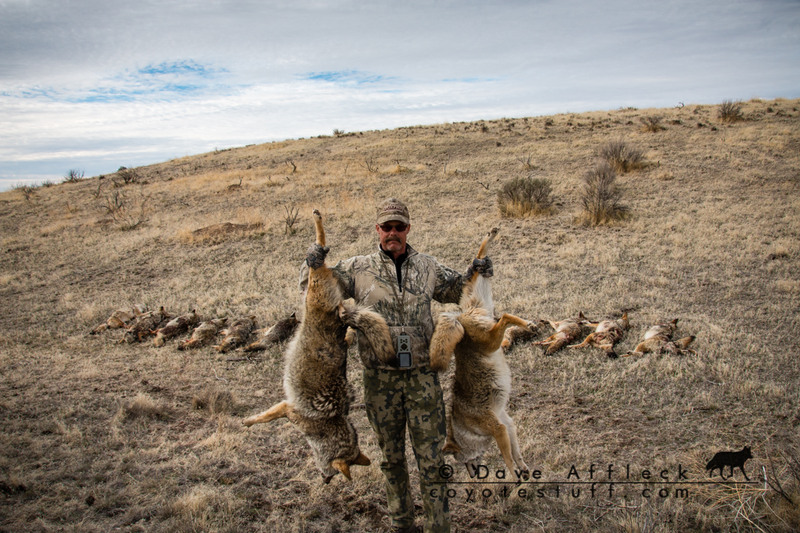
[(99, 435)]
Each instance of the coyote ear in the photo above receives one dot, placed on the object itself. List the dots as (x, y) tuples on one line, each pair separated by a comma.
[(342, 466), (362, 460)]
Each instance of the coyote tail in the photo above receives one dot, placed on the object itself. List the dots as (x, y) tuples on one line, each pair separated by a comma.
[(372, 326)]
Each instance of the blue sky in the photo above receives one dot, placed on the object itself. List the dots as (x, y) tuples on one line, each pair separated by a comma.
[(94, 85)]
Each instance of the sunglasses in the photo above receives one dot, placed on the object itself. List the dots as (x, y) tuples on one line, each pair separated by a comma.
[(399, 227)]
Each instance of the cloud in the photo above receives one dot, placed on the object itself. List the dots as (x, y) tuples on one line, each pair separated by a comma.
[(96, 84), (348, 77), (163, 81)]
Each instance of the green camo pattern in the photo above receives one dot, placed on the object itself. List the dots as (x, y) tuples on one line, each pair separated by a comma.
[(372, 280), (390, 396)]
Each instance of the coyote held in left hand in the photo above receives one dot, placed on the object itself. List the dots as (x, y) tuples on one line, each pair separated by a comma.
[(482, 382), (315, 380)]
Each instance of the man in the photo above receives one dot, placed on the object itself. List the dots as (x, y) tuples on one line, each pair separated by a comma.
[(400, 283)]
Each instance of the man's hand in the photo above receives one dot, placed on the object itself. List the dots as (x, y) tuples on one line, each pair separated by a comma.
[(482, 267), (315, 257)]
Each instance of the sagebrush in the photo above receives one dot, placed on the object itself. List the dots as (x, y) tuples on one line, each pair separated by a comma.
[(524, 196)]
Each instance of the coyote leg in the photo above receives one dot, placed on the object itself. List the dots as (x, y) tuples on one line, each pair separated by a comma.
[(278, 410), (586, 342), (512, 437), (499, 431), (488, 424), (499, 329), (318, 226)]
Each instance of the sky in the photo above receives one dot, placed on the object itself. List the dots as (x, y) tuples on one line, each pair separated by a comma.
[(92, 85)]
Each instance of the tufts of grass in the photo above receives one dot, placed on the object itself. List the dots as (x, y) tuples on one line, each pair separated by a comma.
[(215, 401), (521, 197), (652, 124), (730, 111), (600, 197), (621, 156), (143, 407)]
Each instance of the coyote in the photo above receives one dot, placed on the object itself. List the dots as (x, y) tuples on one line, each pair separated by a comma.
[(567, 330), (120, 318), (144, 325), (608, 332), (315, 380), (236, 334), (279, 332), (731, 459), (175, 327), (203, 334), (482, 382), (517, 335), (658, 339)]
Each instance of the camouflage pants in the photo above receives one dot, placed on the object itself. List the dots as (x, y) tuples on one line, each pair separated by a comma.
[(396, 398)]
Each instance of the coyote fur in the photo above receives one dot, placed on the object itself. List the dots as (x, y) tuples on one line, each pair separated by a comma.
[(517, 335), (236, 334), (176, 326), (203, 334), (120, 318), (315, 380), (278, 332), (144, 325), (607, 333), (566, 331), (482, 382), (658, 339)]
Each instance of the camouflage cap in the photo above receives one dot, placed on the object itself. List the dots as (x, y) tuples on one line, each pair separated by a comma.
[(393, 209)]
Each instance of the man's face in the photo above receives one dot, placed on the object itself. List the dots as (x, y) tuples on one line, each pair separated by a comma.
[(392, 239)]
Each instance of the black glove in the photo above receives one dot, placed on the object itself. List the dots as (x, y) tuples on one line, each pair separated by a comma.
[(315, 257), (482, 267)]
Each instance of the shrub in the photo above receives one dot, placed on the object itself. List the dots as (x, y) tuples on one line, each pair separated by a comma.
[(600, 196), (622, 157), (27, 191), (73, 175), (730, 111), (652, 124), (127, 213), (127, 175), (524, 196)]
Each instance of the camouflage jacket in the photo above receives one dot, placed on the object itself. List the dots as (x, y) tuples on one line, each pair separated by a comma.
[(373, 280)]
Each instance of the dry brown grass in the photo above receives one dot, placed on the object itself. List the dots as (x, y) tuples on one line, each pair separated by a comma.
[(99, 436)]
